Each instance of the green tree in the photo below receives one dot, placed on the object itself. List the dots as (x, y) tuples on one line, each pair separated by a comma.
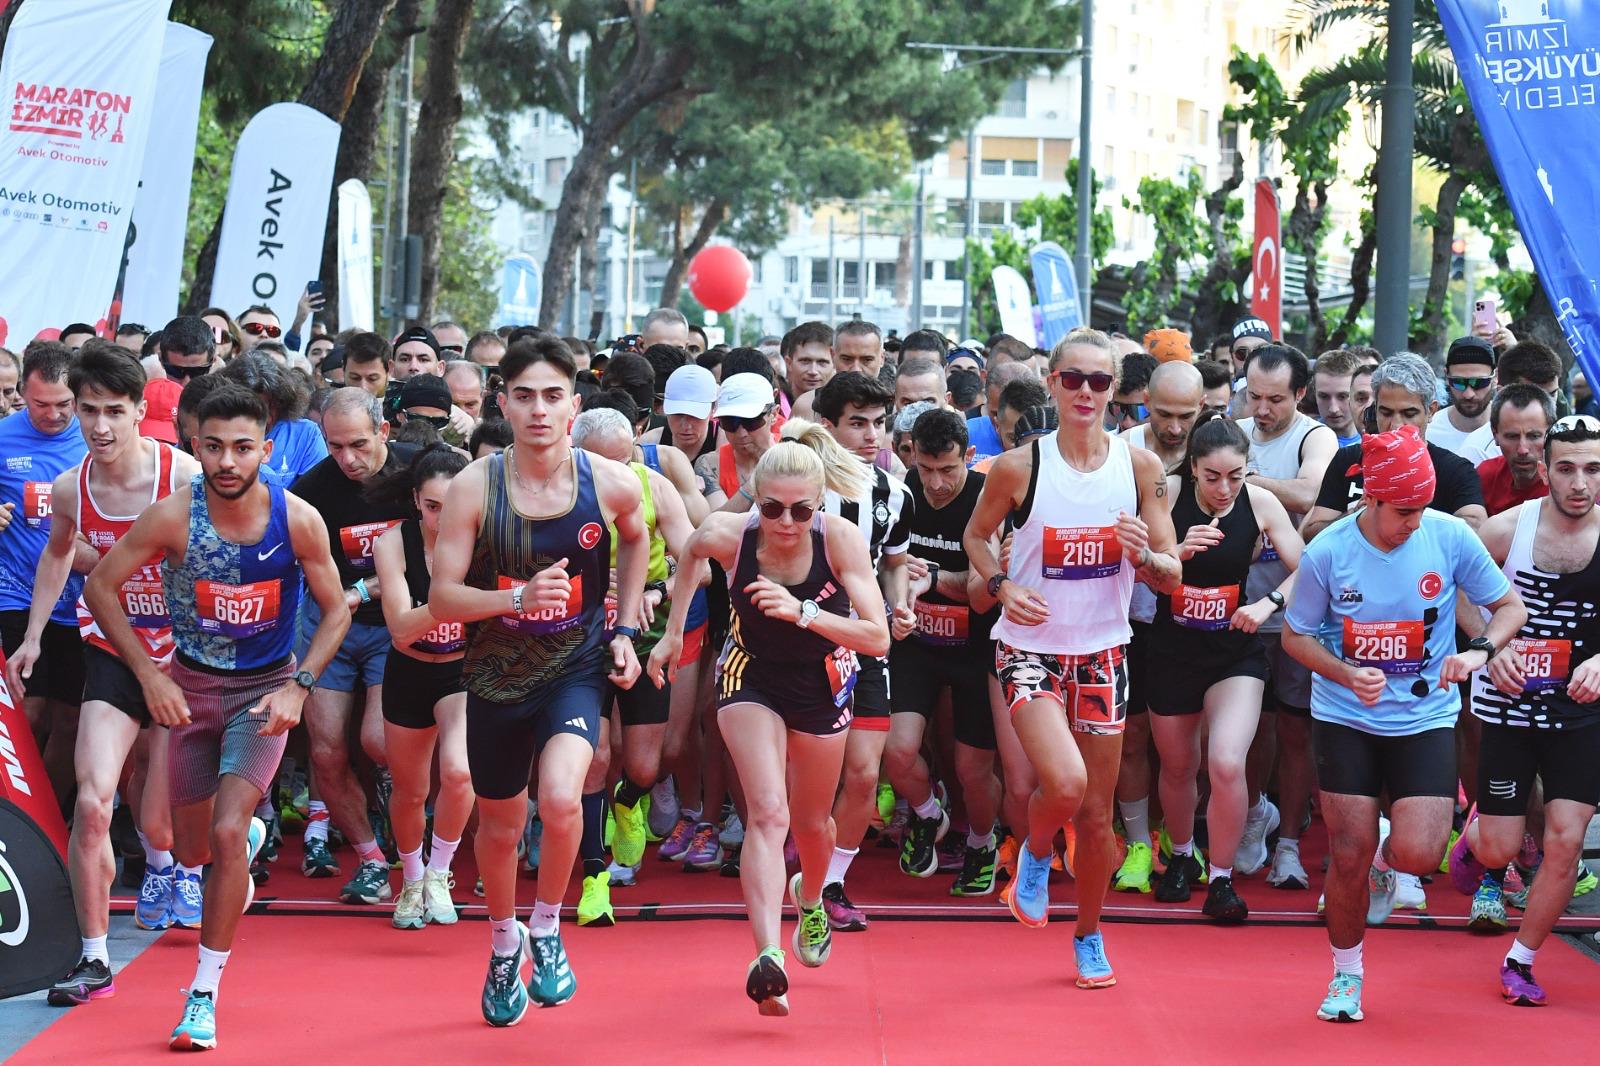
[(1181, 237), (468, 278)]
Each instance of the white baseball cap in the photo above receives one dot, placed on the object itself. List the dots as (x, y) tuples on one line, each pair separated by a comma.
[(744, 396), (691, 390)]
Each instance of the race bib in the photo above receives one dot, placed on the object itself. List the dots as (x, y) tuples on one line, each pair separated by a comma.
[(1080, 553), (1205, 608), (36, 503), (944, 624), (843, 669), (1269, 554), (442, 639), (1547, 664), (1393, 647), (145, 602), (551, 619), (237, 611), (357, 543)]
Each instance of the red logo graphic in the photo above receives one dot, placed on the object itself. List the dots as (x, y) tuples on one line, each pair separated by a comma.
[(57, 111), (589, 535), (1431, 585)]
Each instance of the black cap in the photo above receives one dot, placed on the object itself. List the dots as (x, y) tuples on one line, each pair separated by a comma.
[(419, 333), (424, 390), (334, 360), (1253, 327), (1470, 350)]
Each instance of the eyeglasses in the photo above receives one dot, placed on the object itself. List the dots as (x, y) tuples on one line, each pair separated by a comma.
[(1463, 384), (176, 372), (436, 421), (801, 512), (1074, 380), (1575, 424), (749, 425), (1136, 411), (458, 349), (262, 329)]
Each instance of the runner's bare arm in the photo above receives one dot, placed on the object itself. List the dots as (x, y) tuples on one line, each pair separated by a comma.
[(1507, 616), (868, 632), (717, 538), (1316, 520), (1158, 564), (1299, 493), (675, 465), (673, 520), (451, 600), (49, 577), (161, 530), (308, 536), (1003, 491), (405, 622), (1366, 682)]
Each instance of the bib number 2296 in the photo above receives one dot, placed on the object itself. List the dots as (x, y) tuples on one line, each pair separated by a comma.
[(1393, 647)]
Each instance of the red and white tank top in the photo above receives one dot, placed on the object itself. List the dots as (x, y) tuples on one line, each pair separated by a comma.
[(1067, 550), (142, 596)]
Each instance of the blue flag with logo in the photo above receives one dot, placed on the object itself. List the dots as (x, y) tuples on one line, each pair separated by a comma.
[(1057, 288), (519, 292), (1532, 71)]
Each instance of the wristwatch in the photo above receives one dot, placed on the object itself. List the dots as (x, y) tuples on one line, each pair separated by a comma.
[(1483, 644), (994, 585), (1277, 600), (933, 577), (306, 680), (808, 613), (626, 631)]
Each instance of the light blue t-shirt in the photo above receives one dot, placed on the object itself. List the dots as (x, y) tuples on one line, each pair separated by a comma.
[(1393, 610), (29, 463), (297, 446), (983, 436)]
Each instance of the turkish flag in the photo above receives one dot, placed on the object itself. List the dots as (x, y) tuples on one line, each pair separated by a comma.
[(1266, 272)]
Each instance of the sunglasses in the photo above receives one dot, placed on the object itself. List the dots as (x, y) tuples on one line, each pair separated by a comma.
[(1074, 380), (458, 349), (1136, 411), (772, 510), (1463, 384), (1576, 423), (749, 425), (436, 421), (177, 372), (262, 329)]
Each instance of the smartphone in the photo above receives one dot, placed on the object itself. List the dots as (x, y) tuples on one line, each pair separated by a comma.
[(1485, 319), (314, 287)]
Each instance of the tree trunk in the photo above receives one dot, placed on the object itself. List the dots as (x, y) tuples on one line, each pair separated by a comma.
[(1431, 343), (1211, 311), (433, 146), (1305, 225), (1360, 279), (589, 265), (345, 48), (1539, 323), (716, 213)]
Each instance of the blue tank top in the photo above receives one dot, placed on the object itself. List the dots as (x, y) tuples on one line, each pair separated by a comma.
[(698, 611), (29, 463), (511, 655), (234, 605)]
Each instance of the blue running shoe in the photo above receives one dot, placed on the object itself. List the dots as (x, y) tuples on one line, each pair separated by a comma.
[(505, 993), (1343, 1002), (187, 898), (1028, 894), (1094, 969), (154, 909), (552, 983), (1381, 888), (198, 1029)]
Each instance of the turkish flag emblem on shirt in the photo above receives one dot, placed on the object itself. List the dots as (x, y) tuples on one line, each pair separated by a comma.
[(1266, 273)]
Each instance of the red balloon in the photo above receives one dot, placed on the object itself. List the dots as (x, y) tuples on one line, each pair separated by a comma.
[(719, 277)]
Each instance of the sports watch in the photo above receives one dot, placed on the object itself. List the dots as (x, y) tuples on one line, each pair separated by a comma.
[(626, 631), (306, 680), (995, 583), (1483, 644), (1277, 600), (808, 613)]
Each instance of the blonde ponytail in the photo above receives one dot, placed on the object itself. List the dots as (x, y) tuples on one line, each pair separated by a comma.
[(808, 450)]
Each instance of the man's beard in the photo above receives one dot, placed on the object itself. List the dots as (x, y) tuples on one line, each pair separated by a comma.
[(245, 485)]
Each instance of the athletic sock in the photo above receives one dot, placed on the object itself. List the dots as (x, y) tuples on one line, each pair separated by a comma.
[(1136, 820), (411, 864), (1219, 871), (928, 808), (208, 974), (442, 854), (1186, 848), (317, 822), (94, 947), (839, 865), (156, 860), (1519, 952), (592, 844), (187, 871), (504, 936), (629, 793), (546, 920), (1258, 810), (370, 852), (980, 843), (1348, 961)]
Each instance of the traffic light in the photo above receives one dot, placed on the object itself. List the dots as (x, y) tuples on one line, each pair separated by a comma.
[(1458, 259)]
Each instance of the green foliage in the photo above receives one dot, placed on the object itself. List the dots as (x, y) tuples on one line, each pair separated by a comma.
[(261, 52), (470, 266), (1516, 290), (1181, 237), (213, 166)]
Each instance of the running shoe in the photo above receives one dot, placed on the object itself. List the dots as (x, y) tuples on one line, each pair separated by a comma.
[(477, 888), (1094, 969), (1287, 872), (594, 908), (437, 906), (1028, 894), (198, 1029), (187, 899), (1062, 861), (1513, 881), (1586, 883), (767, 983), (791, 851), (813, 936), (269, 849), (1006, 860), (1518, 986), (664, 809), (410, 908), (843, 916), (1465, 870), (732, 835), (1343, 1001), (622, 876), (532, 838), (383, 792), (553, 982), (1380, 896), (505, 995), (154, 908), (627, 837), (677, 842), (977, 872), (369, 885), (952, 852), (1530, 857), (730, 862), (1134, 873), (318, 860), (1253, 854), (1444, 863), (705, 851), (1223, 904), (1184, 872), (918, 856), (1488, 907), (1408, 893), (885, 801), (254, 837), (89, 979), (894, 829)]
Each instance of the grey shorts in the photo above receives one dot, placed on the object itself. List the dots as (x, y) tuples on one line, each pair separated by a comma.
[(223, 736), (1288, 682)]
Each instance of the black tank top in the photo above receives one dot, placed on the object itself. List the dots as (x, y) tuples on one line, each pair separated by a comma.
[(1213, 580), (767, 640), (446, 638)]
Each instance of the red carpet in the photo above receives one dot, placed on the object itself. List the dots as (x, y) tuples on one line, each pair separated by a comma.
[(346, 990)]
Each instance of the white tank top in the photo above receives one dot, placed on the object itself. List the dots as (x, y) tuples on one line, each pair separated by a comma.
[(1278, 458), (1143, 607), (1067, 551)]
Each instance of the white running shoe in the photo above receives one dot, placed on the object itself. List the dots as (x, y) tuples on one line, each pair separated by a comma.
[(623, 876), (732, 835), (1408, 894), (409, 908), (663, 807), (1252, 854), (1287, 873), (437, 906)]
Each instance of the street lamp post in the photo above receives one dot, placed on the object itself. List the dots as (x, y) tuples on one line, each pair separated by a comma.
[(1085, 169), (1392, 315)]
